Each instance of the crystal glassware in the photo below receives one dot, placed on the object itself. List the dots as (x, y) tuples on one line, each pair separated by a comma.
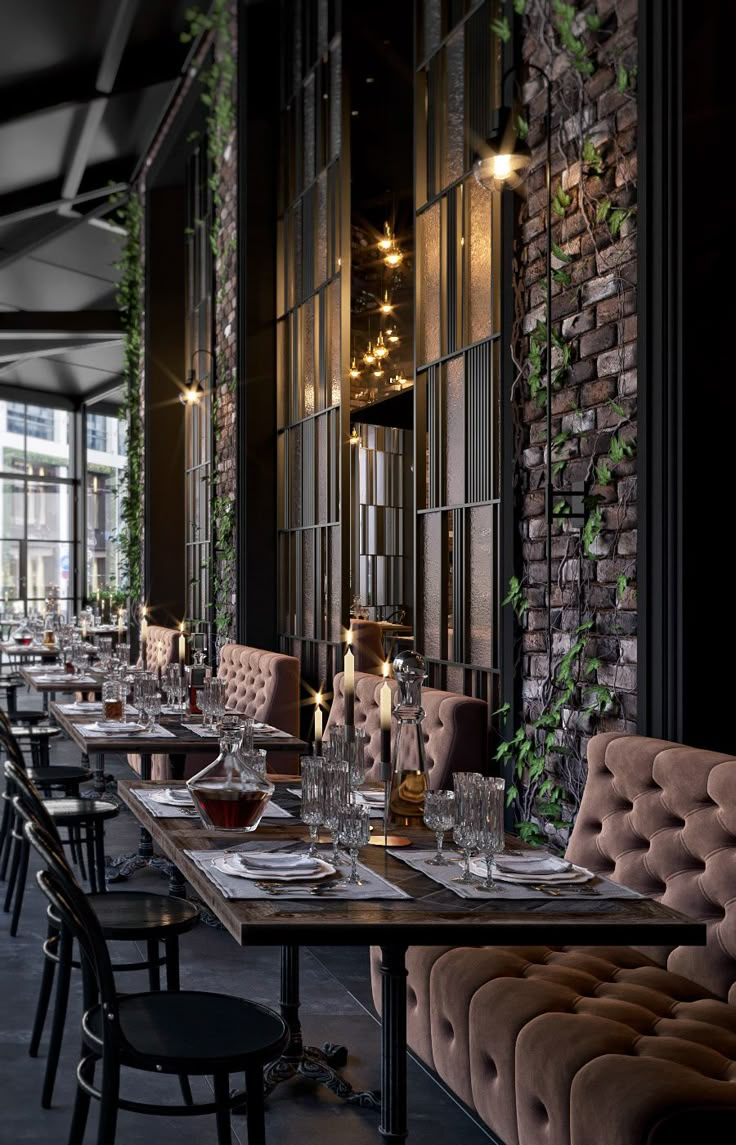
[(313, 797), (230, 795), (152, 709), (354, 832), (491, 832), (467, 818), (409, 776), (22, 634), (355, 754), (205, 705), (104, 651), (337, 798), (217, 699), (439, 816), (113, 700)]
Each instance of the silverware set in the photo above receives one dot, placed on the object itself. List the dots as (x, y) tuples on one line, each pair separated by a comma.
[(279, 888)]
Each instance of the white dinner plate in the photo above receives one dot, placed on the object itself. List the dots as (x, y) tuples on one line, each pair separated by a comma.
[(173, 797), (576, 875), (229, 865), (116, 727)]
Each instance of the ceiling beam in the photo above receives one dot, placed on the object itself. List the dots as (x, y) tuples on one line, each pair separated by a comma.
[(53, 323), (112, 56), (6, 367), (32, 242), (42, 198), (58, 347)]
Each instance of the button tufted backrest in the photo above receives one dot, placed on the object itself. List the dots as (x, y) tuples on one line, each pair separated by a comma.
[(661, 818), (262, 684), (161, 646), (454, 727)]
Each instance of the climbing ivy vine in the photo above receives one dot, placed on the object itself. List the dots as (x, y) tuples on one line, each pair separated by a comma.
[(129, 299), (545, 753), (217, 77)]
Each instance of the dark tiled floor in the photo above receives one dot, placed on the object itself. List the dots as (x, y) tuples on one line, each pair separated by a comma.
[(336, 1007)]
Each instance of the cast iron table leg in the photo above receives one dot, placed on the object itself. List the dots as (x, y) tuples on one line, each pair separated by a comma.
[(312, 1063), (393, 1043), (119, 868)]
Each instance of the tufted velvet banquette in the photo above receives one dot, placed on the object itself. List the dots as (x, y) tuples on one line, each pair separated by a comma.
[(258, 683), (595, 1046), (162, 647), (454, 727)]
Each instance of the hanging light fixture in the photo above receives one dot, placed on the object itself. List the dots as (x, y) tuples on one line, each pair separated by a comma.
[(392, 336), (379, 371), (380, 350), (369, 357), (393, 257), (354, 371), (387, 239), (193, 391), (386, 306)]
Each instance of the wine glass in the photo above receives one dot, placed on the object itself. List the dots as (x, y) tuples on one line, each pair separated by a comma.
[(217, 700), (337, 798), (313, 797), (467, 818), (491, 833), (439, 816), (152, 709), (354, 832)]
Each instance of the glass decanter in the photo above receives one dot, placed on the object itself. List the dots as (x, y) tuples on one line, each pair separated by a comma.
[(228, 793), (23, 634), (409, 782)]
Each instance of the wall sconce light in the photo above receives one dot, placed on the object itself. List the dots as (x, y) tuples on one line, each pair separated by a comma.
[(193, 390), (504, 171)]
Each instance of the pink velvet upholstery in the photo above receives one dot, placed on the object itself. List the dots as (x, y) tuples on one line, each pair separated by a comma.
[(162, 647), (367, 646), (571, 1046), (454, 727), (261, 684)]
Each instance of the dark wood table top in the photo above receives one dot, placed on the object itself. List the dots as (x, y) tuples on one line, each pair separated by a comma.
[(27, 651), (183, 742), (434, 915), (61, 683)]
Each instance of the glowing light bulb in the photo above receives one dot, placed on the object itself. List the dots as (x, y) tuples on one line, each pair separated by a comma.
[(354, 440), (369, 357), (354, 371), (381, 349), (387, 241), (393, 338), (386, 306), (378, 372), (501, 166), (394, 257)]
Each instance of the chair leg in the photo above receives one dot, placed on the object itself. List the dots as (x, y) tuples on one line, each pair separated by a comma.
[(81, 1102), (171, 946), (99, 830), (57, 1025), (91, 864), (154, 970), (5, 836), (222, 1112), (12, 874), (109, 1094), (20, 885), (44, 994), (256, 1105)]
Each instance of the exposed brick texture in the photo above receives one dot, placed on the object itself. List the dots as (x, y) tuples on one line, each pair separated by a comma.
[(595, 316)]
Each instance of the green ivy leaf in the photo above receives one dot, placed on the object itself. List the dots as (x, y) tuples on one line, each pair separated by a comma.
[(520, 7), (522, 127), (601, 213), (617, 219), (593, 20), (558, 467), (560, 254), (622, 78), (592, 157), (617, 409), (562, 277), (622, 583), (502, 29), (603, 474), (502, 711)]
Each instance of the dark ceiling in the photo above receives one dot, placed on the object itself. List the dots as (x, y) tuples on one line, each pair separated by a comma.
[(83, 87)]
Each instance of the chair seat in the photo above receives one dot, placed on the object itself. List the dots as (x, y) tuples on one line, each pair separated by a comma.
[(35, 732), (192, 1032), (128, 915), (70, 810)]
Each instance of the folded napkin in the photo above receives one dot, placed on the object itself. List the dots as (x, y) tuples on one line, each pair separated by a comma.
[(268, 861), (532, 864), (179, 794), (375, 797)]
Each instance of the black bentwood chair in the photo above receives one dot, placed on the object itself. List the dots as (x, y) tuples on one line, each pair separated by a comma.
[(191, 1032), (126, 916)]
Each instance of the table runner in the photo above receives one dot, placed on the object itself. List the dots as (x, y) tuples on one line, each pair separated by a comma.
[(600, 888), (232, 887)]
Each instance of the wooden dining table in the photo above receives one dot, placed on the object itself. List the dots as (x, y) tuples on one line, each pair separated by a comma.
[(433, 915)]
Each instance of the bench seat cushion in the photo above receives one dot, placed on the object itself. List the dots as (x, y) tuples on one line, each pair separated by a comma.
[(526, 1035)]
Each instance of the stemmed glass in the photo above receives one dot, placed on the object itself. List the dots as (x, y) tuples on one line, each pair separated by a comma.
[(467, 818), (354, 832), (439, 816), (152, 709), (217, 700), (337, 798), (491, 833), (313, 797)]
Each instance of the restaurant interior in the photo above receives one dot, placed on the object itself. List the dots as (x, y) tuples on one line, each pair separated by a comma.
[(363, 772)]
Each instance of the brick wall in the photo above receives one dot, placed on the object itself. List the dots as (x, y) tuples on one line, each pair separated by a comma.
[(595, 399)]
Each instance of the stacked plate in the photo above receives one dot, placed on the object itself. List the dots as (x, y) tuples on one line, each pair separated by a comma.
[(115, 727), (173, 797), (271, 865), (533, 867)]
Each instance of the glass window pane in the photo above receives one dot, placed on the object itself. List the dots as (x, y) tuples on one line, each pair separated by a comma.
[(49, 510), (47, 563), (48, 434), (9, 570), (12, 508)]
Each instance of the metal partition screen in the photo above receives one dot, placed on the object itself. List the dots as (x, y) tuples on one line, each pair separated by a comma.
[(457, 331), (313, 302)]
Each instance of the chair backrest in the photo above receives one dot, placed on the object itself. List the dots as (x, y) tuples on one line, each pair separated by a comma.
[(367, 646), (162, 646), (28, 801), (661, 818), (455, 727), (9, 742), (70, 902), (261, 684)]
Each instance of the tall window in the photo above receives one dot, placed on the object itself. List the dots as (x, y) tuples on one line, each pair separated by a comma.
[(106, 461), (36, 506)]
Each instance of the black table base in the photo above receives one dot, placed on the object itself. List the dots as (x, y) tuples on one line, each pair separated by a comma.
[(121, 867), (307, 1061)]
